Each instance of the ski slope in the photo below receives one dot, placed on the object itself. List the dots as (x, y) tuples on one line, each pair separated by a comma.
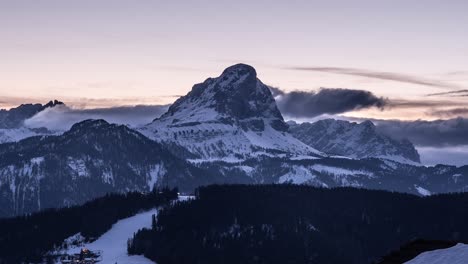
[(113, 243), (457, 254)]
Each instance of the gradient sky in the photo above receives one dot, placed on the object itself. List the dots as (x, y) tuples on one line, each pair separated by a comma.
[(112, 53)]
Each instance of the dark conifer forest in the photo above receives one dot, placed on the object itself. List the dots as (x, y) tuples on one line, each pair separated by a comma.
[(234, 224), (29, 238)]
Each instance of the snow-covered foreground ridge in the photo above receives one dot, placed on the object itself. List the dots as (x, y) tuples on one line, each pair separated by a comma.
[(113, 243), (457, 254)]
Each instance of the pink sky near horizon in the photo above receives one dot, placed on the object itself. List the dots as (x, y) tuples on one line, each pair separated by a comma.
[(111, 53)]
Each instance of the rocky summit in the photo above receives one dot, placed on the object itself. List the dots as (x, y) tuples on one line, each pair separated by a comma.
[(232, 117)]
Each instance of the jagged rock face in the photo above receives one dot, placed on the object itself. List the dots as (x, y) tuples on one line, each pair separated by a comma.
[(91, 159), (353, 140), (232, 116), (237, 96)]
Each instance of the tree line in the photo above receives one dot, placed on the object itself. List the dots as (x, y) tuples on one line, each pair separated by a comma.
[(250, 224), (26, 239)]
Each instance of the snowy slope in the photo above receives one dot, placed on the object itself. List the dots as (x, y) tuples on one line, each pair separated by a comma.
[(422, 191), (17, 134), (231, 116), (88, 161), (337, 176), (114, 242), (455, 255)]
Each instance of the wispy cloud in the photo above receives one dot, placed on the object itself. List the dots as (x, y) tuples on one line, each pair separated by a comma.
[(62, 117), (450, 112), (89, 103), (388, 76), (457, 73), (463, 92), (410, 103)]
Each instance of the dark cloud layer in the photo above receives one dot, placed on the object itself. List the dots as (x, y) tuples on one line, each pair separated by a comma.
[(325, 101), (331, 101), (63, 117), (439, 133), (388, 76)]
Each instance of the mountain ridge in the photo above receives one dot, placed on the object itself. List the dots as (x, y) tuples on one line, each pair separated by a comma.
[(355, 140), (91, 159), (14, 117), (12, 121), (211, 136)]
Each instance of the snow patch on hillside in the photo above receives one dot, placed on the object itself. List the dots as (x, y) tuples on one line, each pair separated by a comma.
[(303, 157), (156, 172), (232, 160), (113, 243), (15, 134), (341, 171), (422, 191), (455, 177), (399, 159), (457, 254), (297, 175)]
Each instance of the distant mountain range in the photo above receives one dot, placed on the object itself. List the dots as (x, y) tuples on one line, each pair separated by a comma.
[(12, 121), (15, 117), (353, 140), (225, 130)]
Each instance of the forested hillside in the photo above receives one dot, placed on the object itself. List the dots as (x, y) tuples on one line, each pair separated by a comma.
[(29, 238), (297, 224)]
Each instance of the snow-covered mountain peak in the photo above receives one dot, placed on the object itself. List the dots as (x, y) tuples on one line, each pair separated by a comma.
[(232, 115), (235, 97), (240, 69)]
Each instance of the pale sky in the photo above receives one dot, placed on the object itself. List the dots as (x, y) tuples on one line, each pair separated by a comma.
[(109, 53)]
